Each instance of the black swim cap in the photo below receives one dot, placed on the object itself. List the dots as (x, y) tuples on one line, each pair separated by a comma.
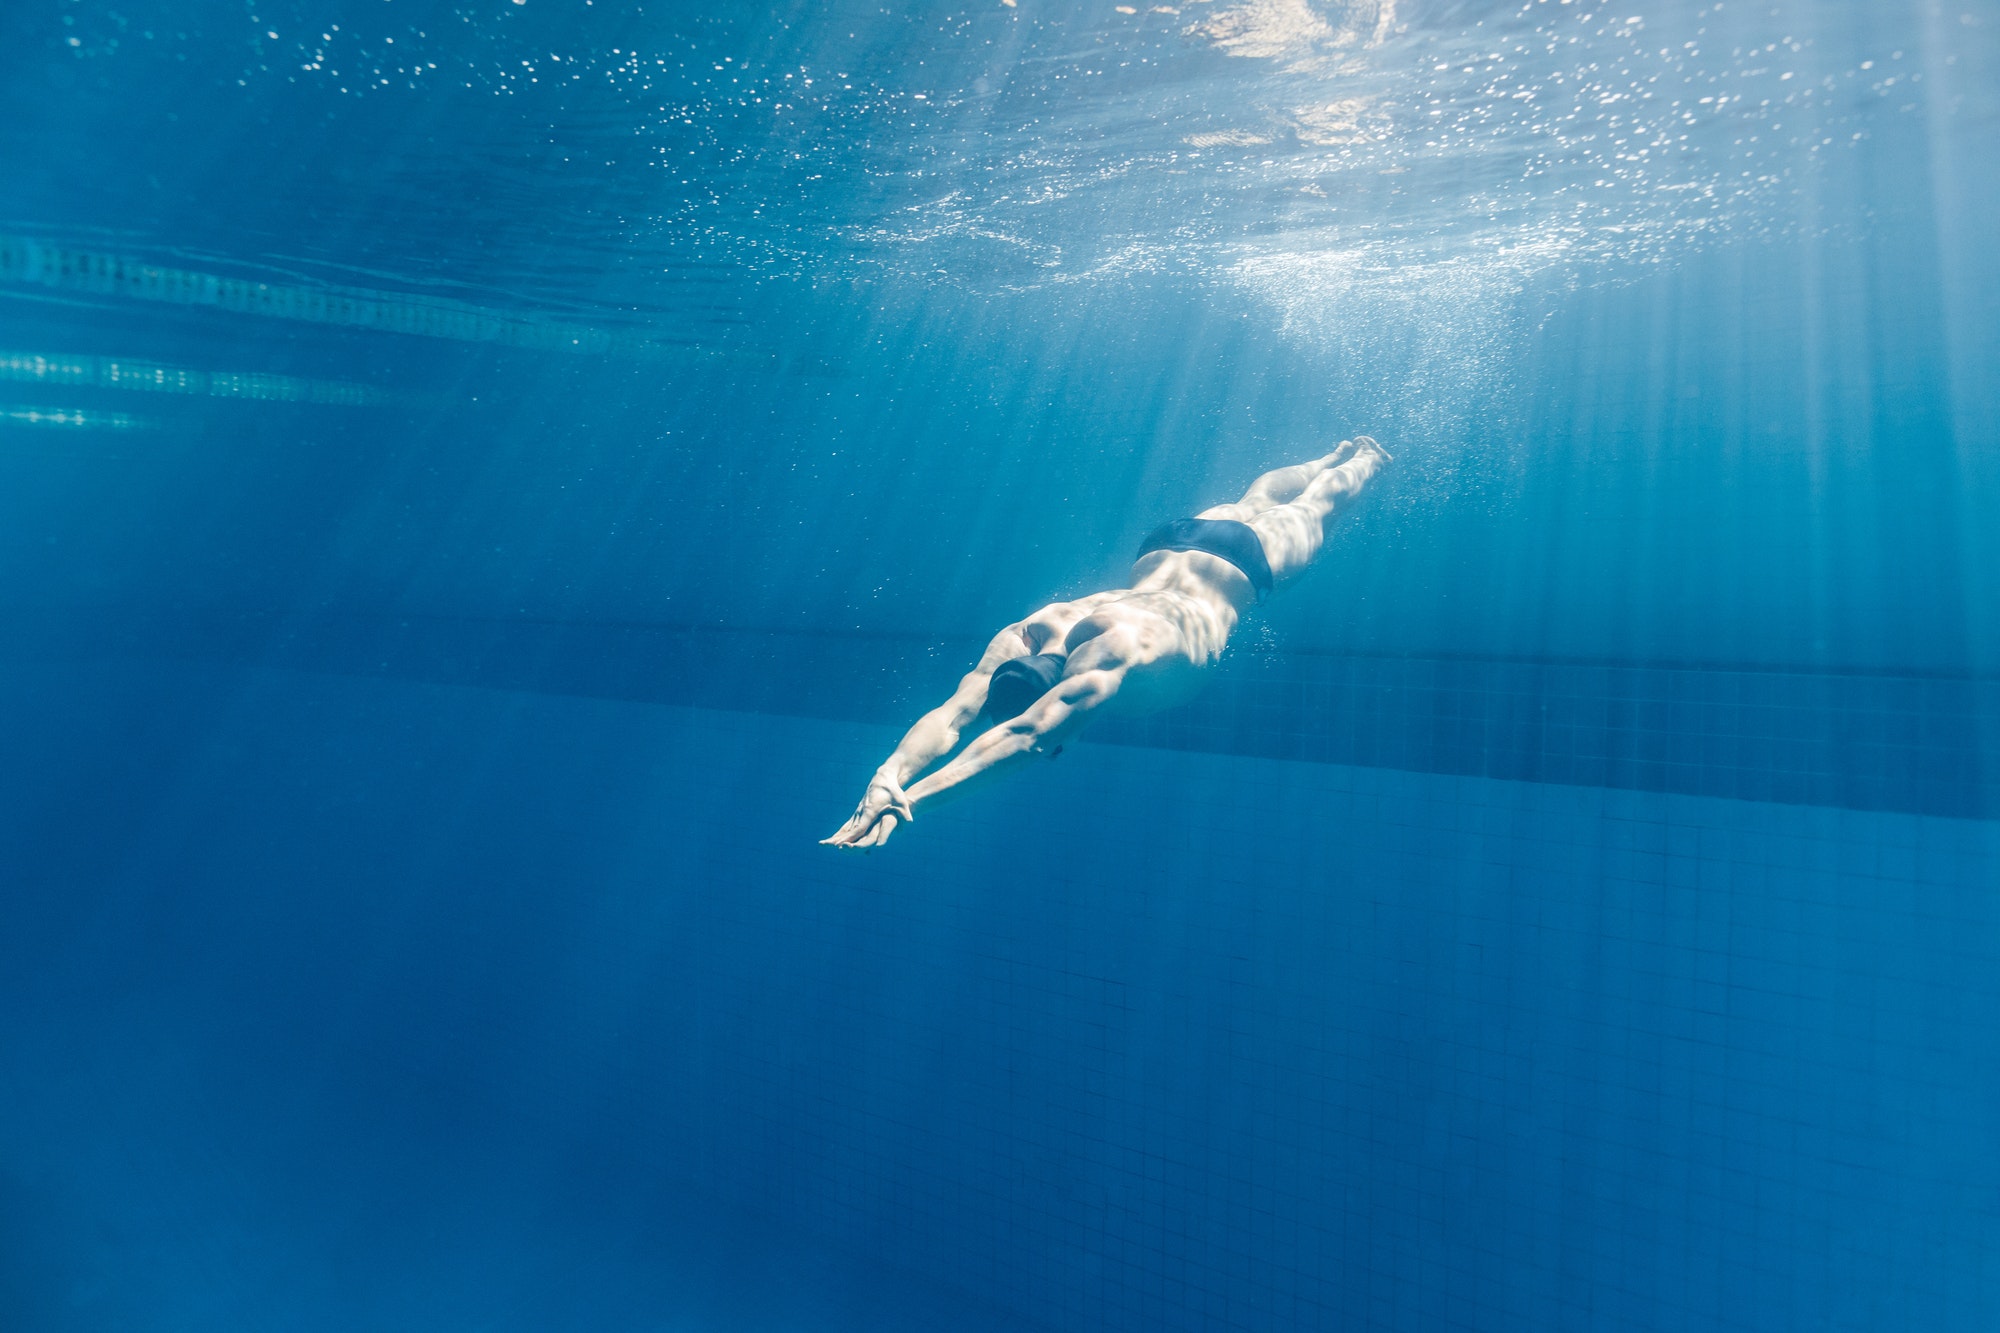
[(1018, 682)]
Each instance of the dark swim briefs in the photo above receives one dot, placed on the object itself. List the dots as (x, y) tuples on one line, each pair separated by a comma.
[(1224, 538)]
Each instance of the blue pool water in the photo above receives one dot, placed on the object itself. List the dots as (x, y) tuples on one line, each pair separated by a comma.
[(484, 483)]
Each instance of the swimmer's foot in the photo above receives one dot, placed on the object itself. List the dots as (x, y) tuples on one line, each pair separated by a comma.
[(1338, 456), (1365, 444)]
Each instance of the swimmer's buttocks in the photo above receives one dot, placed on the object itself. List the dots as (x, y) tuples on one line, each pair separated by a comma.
[(1223, 538), (1018, 682)]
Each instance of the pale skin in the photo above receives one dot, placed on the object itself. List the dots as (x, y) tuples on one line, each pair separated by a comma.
[(1131, 650)]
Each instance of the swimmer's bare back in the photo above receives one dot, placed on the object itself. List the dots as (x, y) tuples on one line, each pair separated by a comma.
[(1135, 649)]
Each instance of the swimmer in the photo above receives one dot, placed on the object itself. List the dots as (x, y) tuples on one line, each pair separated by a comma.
[(1131, 650)]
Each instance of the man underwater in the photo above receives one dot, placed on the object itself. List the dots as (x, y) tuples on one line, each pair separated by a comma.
[(1131, 650)]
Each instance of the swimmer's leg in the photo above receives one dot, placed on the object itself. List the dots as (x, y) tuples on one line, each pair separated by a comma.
[(1285, 484), (1294, 531)]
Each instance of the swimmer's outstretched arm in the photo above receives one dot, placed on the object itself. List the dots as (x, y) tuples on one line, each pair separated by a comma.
[(1052, 719), (934, 736)]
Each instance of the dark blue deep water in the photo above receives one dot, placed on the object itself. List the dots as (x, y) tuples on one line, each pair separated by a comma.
[(483, 482)]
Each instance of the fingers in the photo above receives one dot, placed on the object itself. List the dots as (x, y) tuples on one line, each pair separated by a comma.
[(853, 837), (877, 835)]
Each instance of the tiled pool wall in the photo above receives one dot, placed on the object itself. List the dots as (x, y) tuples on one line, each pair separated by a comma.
[(1179, 1040), (1152, 1039)]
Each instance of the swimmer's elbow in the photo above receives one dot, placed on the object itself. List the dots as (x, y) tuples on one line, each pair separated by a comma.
[(1062, 706), (1087, 689), (968, 701), (965, 704)]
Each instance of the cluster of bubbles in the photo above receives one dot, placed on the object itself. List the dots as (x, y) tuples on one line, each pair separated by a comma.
[(1565, 132)]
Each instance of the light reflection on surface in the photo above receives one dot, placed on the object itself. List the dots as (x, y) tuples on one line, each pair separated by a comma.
[(1311, 153), (676, 151)]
